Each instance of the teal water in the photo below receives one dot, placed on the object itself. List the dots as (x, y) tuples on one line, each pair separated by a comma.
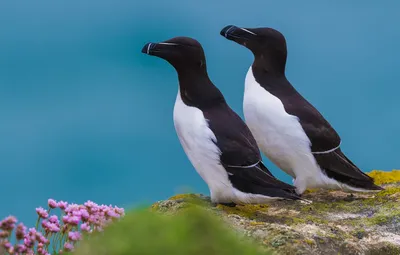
[(85, 115)]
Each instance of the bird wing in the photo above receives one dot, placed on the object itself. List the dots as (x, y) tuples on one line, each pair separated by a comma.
[(241, 157), (337, 165), (250, 177), (325, 141), (234, 139), (322, 136)]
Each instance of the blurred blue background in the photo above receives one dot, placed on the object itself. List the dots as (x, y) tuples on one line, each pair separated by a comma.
[(85, 115)]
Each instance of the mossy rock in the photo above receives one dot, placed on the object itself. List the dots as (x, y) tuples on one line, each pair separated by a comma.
[(192, 231), (335, 223)]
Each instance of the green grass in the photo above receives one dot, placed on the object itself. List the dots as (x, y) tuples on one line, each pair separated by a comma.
[(193, 231)]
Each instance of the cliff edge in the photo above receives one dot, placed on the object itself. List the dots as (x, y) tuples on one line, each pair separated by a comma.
[(335, 223)]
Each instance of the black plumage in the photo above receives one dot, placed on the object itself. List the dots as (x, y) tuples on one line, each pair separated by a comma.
[(238, 151), (270, 54)]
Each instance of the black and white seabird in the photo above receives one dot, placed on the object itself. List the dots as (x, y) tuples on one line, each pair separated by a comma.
[(216, 140), (287, 128)]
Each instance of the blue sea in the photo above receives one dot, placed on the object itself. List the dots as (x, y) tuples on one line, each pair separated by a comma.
[(84, 115)]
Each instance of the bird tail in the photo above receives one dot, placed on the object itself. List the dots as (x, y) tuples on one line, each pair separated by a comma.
[(258, 180), (337, 166)]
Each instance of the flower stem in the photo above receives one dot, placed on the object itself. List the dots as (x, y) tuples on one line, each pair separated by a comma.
[(37, 223)]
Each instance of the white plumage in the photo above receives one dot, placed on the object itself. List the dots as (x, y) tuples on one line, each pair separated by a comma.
[(282, 139), (197, 140)]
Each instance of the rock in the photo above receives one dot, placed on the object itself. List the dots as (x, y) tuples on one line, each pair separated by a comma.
[(335, 223)]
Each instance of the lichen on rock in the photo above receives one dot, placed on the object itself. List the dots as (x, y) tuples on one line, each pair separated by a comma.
[(381, 177), (335, 223)]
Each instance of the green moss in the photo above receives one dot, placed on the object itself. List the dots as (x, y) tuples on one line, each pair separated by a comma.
[(256, 223), (381, 177), (279, 241), (384, 248), (321, 209), (184, 196), (194, 232), (155, 207), (248, 211), (359, 233), (388, 192), (295, 221), (309, 242), (383, 218)]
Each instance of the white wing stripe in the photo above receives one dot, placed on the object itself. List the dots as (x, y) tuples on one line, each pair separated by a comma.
[(250, 166), (328, 151)]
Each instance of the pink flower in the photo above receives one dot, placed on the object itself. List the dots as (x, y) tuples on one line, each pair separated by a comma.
[(84, 214), (71, 208), (50, 227), (42, 251), (74, 220), (113, 214), (65, 219), (7, 245), (52, 203), (32, 233), (85, 227), (41, 238), (4, 234), (68, 247), (42, 212), (94, 219), (62, 205), (20, 248), (8, 223), (11, 250), (74, 236), (44, 224), (54, 219), (28, 242), (53, 228), (77, 213), (120, 211), (91, 206), (20, 231)]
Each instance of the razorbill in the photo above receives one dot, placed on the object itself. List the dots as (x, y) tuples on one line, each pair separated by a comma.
[(287, 128), (216, 140)]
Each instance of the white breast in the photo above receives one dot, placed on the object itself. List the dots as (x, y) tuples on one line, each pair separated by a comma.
[(197, 141), (279, 134)]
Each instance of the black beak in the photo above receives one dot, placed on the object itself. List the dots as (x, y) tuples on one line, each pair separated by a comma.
[(237, 34), (225, 32), (148, 48)]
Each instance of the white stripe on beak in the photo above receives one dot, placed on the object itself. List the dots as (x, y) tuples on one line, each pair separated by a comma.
[(148, 49), (248, 31), (164, 43)]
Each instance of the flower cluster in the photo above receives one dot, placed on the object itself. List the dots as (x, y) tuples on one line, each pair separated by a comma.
[(54, 234)]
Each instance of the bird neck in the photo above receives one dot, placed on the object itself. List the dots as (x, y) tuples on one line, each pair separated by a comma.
[(197, 89), (271, 62), (273, 82)]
